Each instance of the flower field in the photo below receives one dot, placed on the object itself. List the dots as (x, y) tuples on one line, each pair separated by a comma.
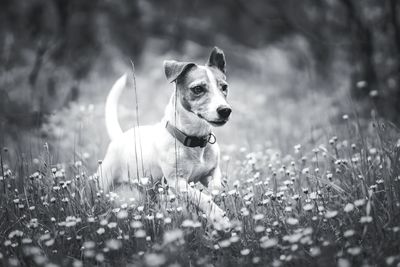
[(331, 204)]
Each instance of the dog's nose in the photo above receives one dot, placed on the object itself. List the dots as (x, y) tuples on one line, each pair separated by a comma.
[(224, 111)]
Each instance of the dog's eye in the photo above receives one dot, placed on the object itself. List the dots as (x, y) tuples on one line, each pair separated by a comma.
[(224, 88), (198, 89)]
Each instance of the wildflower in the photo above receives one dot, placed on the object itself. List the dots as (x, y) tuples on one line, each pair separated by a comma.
[(258, 217), (256, 260), (26, 240), (391, 259), (136, 224), (89, 253), (308, 207), (288, 209), (292, 221), (100, 231), (259, 229), (49, 243), (373, 93), (197, 224), (269, 243), (297, 148), (154, 260), (296, 197), (167, 220), (349, 233), (365, 219), (112, 225), (187, 223), (33, 223), (354, 251), (100, 257), (361, 84), (313, 195), (307, 231), (315, 251), (234, 239), (88, 245), (113, 244), (245, 212), (349, 207), (172, 236), (345, 117), (78, 164), (232, 192), (245, 252), (116, 210), (140, 233), (224, 243), (45, 237), (331, 214), (359, 202), (306, 171)]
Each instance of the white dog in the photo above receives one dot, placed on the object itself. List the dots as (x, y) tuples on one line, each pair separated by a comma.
[(181, 147)]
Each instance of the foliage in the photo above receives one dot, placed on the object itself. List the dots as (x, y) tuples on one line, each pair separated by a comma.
[(336, 204)]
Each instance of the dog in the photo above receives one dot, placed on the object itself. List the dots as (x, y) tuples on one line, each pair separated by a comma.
[(180, 149)]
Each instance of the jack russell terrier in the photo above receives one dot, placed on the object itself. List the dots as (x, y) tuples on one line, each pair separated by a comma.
[(180, 149)]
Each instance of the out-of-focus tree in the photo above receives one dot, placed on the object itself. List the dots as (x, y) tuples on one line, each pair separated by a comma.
[(71, 34)]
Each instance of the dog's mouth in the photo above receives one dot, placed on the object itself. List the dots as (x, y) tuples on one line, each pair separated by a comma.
[(215, 123)]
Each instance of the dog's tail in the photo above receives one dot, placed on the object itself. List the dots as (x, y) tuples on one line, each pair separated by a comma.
[(112, 124)]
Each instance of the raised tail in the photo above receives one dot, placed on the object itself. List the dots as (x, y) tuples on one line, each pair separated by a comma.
[(112, 124)]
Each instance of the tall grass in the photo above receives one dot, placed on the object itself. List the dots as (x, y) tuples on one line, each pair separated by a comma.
[(334, 204)]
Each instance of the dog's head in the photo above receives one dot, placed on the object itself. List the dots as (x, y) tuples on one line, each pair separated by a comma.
[(202, 90)]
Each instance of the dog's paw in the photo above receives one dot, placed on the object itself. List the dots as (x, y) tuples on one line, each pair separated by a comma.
[(216, 186), (220, 221)]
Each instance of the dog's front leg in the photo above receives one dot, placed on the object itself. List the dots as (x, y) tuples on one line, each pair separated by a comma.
[(202, 200), (213, 181), (216, 180)]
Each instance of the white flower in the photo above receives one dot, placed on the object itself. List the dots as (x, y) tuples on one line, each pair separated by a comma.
[(292, 221), (245, 252), (349, 207), (100, 231), (331, 214)]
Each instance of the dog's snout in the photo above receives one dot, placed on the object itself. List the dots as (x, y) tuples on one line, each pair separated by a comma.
[(224, 111)]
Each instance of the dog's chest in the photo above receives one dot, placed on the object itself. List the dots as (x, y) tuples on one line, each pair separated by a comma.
[(197, 165)]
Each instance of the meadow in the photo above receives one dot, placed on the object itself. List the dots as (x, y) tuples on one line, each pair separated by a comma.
[(309, 183)]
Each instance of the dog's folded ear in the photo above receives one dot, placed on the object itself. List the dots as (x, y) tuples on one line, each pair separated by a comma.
[(173, 69), (217, 59)]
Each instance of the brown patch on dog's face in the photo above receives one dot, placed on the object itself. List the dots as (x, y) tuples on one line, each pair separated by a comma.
[(202, 90)]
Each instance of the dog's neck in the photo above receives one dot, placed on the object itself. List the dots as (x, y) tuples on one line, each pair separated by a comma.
[(186, 121)]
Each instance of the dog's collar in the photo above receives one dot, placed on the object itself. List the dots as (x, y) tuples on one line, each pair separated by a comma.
[(190, 141)]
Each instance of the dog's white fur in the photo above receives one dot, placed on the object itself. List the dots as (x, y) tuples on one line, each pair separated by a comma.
[(159, 149)]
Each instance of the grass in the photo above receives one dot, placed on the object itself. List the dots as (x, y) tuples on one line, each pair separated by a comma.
[(333, 199), (334, 204)]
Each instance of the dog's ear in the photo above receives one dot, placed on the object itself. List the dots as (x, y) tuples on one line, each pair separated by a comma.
[(173, 69), (217, 59)]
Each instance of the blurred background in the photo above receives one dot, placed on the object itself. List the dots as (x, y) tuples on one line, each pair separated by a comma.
[(294, 67)]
